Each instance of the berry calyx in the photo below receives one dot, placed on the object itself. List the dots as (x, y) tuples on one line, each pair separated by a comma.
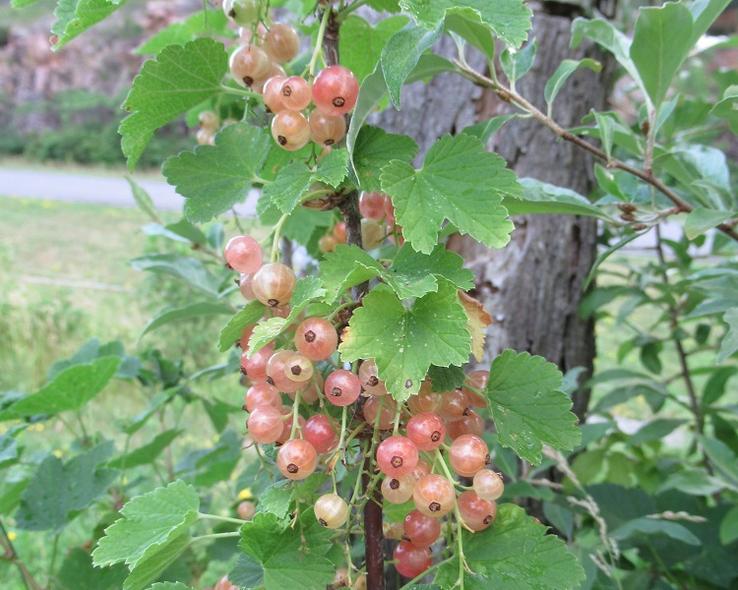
[(273, 284), (427, 431), (326, 129), (477, 513), (434, 495), (335, 90), (290, 130), (298, 368), (342, 388), (295, 93), (296, 459), (397, 456), (249, 64), (369, 377), (316, 338), (398, 490)]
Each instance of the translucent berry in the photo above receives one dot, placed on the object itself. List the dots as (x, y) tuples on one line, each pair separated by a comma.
[(290, 130), (371, 205), (478, 381), (276, 369), (386, 415), (424, 401), (397, 456), (243, 342), (421, 470), (316, 338), (246, 510), (398, 490), (427, 431), (312, 389), (331, 511), (248, 64), (454, 404), (275, 71), (205, 137), (242, 12), (468, 454), (296, 93), (335, 90), (434, 495), (369, 377), (342, 388), (262, 394), (224, 584), (327, 243), (296, 459), (298, 368), (246, 34), (411, 561), (421, 530), (372, 234), (476, 512), (320, 432), (244, 285), (255, 366), (272, 94), (265, 424), (208, 120), (488, 485), (282, 43), (389, 212), (471, 423), (339, 232), (326, 129), (273, 284), (243, 253)]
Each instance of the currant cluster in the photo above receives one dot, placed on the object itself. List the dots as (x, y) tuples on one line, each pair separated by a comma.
[(258, 64), (415, 445)]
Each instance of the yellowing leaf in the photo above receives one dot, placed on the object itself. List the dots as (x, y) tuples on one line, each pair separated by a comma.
[(477, 320)]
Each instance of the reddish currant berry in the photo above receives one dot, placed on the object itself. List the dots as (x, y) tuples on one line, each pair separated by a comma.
[(372, 234), (282, 43), (298, 368), (276, 371), (342, 388), (421, 470), (320, 432), (262, 394), (245, 336), (339, 232), (398, 490), (245, 34), (273, 95), (331, 511), (246, 510), (468, 454), (224, 584), (311, 392), (273, 284), (296, 459), (369, 377), (371, 205), (427, 431), (386, 416), (335, 90), (472, 423), (244, 285), (296, 93), (290, 130), (389, 212), (327, 243), (411, 561), (434, 495), (287, 429), (316, 338), (255, 366), (243, 253), (326, 129), (421, 530), (488, 485), (397, 456), (265, 424), (425, 401), (249, 64), (477, 380), (476, 512), (454, 404)]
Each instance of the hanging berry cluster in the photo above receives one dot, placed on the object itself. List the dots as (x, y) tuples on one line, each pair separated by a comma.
[(413, 447)]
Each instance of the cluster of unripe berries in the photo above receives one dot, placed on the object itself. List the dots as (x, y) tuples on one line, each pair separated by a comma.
[(258, 64), (432, 421)]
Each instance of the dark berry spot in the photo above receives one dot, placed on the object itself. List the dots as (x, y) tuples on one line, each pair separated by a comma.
[(309, 336), (434, 507), (435, 436), (237, 281), (229, 267), (244, 408), (248, 80), (486, 458), (292, 468), (270, 380), (273, 302), (322, 522), (339, 101), (243, 371), (329, 141), (408, 384), (232, 13), (286, 90), (466, 411), (282, 140), (337, 392), (372, 381), (296, 369), (396, 461), (394, 484), (487, 519)]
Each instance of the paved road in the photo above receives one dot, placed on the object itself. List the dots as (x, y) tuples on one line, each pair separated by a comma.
[(61, 185)]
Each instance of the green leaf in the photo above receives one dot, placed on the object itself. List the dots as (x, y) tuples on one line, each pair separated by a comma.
[(232, 331), (285, 561), (654, 430), (722, 457), (332, 169), (486, 129), (704, 13), (446, 378), (517, 64), (74, 17), (59, 491), (700, 220), (459, 181), (69, 390), (412, 274), (729, 527), (169, 585), (155, 562), (150, 524), (652, 526), (202, 23), (147, 453), (605, 34), (662, 40), (402, 53), (287, 190), (548, 199), (374, 149), (528, 407), (168, 86), (189, 270), (515, 553), (727, 108), (508, 19), (360, 45), (188, 312), (213, 178), (472, 30), (729, 344), (371, 91), (143, 200), (406, 342), (566, 68), (21, 3), (77, 573)]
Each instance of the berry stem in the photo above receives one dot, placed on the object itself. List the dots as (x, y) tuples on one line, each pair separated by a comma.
[(277, 235), (216, 536), (319, 42), (205, 516), (295, 415)]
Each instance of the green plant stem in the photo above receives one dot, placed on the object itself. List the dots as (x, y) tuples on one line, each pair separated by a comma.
[(319, 42), (295, 415), (11, 555), (205, 516), (216, 536), (52, 561), (416, 579), (277, 235), (239, 91), (346, 10)]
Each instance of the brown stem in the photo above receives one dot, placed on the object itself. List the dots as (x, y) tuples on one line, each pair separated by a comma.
[(11, 555), (646, 176), (349, 207)]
